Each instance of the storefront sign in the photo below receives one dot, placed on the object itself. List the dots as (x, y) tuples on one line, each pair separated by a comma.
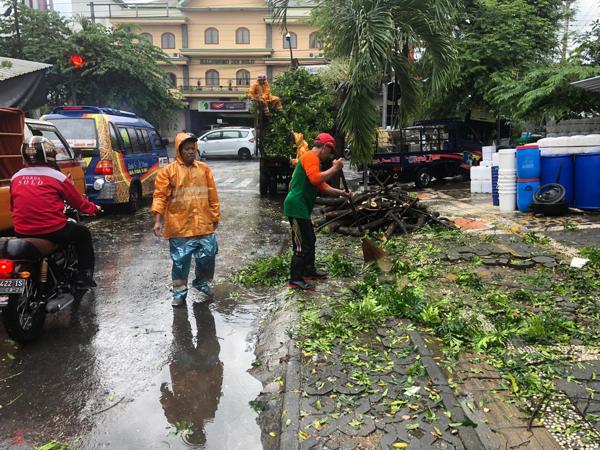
[(227, 106)]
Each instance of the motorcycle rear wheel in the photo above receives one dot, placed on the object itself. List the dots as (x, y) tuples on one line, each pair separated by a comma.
[(22, 318)]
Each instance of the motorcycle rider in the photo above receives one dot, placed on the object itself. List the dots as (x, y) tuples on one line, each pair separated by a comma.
[(38, 194)]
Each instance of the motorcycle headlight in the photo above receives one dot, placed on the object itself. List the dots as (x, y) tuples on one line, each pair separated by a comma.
[(99, 184)]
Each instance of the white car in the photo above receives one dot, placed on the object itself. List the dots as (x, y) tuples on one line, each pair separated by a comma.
[(239, 142)]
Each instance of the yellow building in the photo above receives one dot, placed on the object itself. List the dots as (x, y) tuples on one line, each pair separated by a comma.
[(218, 49)]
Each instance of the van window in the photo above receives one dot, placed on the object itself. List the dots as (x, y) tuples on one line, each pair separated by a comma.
[(63, 153), (114, 138), (155, 140), (213, 136), (231, 134), (79, 133), (142, 136), (137, 144), (127, 148)]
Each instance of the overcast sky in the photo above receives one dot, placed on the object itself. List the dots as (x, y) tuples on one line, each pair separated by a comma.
[(587, 12)]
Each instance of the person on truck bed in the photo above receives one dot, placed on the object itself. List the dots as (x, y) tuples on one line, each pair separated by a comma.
[(307, 180), (260, 91), (38, 194)]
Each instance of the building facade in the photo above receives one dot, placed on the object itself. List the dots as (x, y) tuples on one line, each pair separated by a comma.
[(217, 50)]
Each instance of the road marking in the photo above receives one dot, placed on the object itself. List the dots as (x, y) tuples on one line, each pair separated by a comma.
[(245, 183), (229, 180)]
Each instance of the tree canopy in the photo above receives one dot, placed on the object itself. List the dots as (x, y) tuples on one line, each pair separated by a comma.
[(121, 69)]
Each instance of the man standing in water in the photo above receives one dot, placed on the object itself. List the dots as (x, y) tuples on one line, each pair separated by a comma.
[(186, 197)]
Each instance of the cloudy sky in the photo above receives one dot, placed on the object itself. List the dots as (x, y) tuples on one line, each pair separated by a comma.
[(587, 12)]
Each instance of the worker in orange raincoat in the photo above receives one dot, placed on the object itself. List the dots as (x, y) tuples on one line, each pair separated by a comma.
[(185, 196), (301, 147), (260, 91)]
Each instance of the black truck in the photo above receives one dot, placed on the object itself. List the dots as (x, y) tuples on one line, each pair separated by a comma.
[(428, 149)]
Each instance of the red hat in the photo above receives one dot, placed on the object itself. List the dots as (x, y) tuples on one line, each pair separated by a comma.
[(326, 139)]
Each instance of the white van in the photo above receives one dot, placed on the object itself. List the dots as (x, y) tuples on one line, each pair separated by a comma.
[(231, 141)]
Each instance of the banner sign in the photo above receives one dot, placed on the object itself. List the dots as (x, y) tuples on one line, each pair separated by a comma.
[(225, 106)]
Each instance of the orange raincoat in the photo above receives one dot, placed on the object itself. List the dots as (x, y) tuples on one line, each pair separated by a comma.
[(186, 197), (301, 147), (262, 92)]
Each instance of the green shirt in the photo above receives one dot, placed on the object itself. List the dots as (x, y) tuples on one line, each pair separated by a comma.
[(305, 184)]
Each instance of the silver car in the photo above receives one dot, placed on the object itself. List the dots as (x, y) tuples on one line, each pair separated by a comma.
[(238, 142)]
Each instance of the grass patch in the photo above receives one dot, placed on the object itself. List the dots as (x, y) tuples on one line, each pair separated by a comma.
[(272, 271)]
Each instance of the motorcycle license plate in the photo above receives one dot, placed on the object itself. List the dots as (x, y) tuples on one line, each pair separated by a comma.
[(12, 286)]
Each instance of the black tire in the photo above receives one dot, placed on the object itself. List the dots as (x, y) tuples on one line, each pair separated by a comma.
[(273, 185), (135, 198), (263, 186), (423, 177), (244, 153), (23, 321)]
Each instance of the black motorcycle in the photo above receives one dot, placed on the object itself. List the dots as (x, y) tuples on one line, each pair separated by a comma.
[(37, 277)]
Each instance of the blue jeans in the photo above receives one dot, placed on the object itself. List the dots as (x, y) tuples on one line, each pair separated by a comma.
[(204, 249)]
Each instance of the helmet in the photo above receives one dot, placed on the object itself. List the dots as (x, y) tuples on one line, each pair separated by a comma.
[(262, 76), (39, 150), (326, 139)]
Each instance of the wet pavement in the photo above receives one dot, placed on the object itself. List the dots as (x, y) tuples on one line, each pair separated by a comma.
[(126, 371)]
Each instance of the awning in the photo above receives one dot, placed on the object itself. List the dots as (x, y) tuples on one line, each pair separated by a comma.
[(589, 84), (22, 83)]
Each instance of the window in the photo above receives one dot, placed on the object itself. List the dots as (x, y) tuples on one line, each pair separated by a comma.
[(213, 136), (211, 36), (146, 139), (242, 36), (62, 154), (313, 41), (172, 79), (114, 139), (137, 146), (141, 138), (293, 41), (231, 134), (127, 148), (167, 40), (212, 78), (148, 37), (242, 77), (155, 139)]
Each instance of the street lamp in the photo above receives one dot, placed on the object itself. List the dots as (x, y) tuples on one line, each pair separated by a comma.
[(288, 38)]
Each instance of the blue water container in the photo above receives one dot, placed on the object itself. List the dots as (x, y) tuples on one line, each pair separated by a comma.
[(559, 169), (495, 195), (528, 162), (587, 181), (525, 191)]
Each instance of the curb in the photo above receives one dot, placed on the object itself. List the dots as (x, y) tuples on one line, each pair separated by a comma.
[(291, 400)]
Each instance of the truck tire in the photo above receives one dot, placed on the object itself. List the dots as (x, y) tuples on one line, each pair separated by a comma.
[(423, 177), (273, 185), (263, 186)]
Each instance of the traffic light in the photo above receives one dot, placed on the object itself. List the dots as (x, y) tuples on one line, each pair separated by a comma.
[(77, 61)]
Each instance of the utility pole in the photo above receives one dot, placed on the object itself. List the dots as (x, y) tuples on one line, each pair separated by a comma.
[(15, 6), (568, 13)]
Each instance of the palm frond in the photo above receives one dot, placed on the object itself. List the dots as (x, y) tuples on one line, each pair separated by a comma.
[(279, 10)]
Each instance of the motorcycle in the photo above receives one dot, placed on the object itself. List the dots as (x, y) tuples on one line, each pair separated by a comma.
[(37, 277)]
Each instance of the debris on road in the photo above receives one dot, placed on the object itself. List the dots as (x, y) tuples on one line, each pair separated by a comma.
[(390, 209)]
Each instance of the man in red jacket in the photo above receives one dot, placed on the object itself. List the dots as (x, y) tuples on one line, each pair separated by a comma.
[(37, 199)]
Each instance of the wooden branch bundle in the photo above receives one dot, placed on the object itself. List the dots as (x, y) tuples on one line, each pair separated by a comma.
[(391, 210)]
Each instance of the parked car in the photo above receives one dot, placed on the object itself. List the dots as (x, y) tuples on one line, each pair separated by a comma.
[(13, 132), (123, 152), (239, 142)]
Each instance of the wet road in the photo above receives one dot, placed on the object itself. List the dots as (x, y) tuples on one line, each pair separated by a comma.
[(125, 370)]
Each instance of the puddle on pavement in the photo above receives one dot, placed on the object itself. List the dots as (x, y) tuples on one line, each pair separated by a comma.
[(126, 371)]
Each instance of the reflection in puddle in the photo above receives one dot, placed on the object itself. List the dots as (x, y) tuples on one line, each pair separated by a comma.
[(193, 395)]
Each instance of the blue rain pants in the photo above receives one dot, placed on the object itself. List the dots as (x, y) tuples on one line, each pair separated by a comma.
[(204, 249)]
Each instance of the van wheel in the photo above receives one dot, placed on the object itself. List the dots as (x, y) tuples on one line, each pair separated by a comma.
[(135, 198), (244, 153), (423, 178)]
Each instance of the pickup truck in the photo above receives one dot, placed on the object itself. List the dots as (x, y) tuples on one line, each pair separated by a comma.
[(14, 130)]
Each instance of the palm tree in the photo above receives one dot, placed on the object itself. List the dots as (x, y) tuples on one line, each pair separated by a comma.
[(378, 37)]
